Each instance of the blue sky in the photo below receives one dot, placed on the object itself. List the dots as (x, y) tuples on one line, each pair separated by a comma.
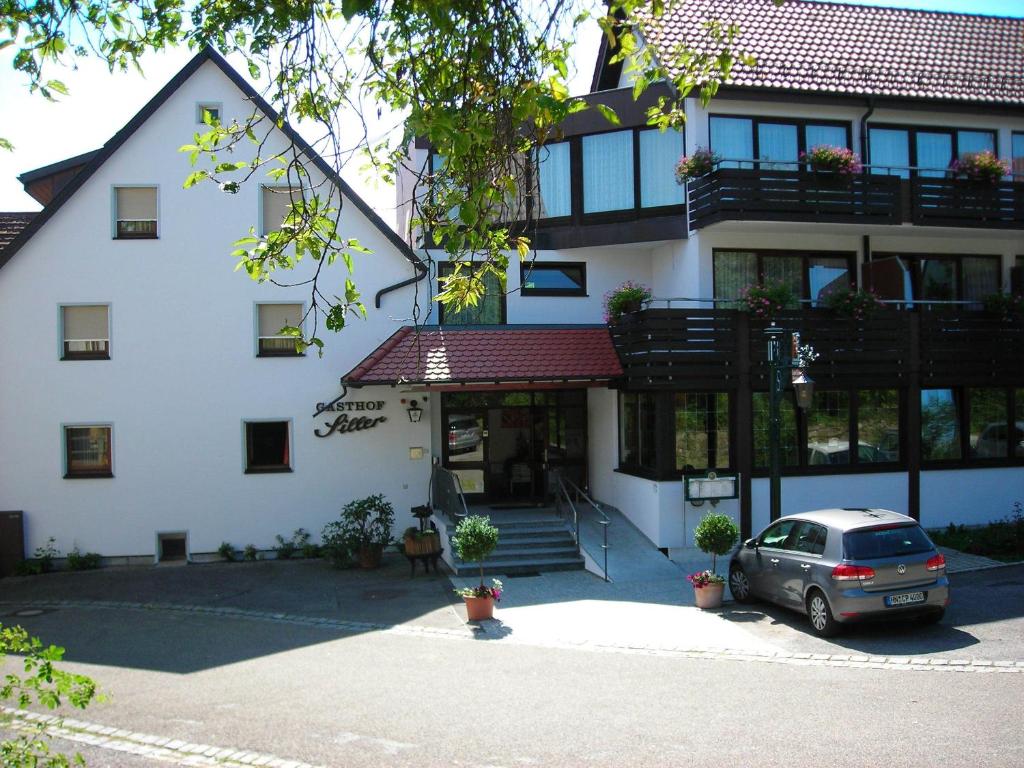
[(100, 103)]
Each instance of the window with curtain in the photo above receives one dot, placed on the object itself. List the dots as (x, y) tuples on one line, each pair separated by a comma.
[(937, 279), (934, 153), (971, 142), (554, 181), (940, 424), (788, 270), (778, 146), (87, 451), (659, 153), (980, 278), (830, 135), (1017, 152), (878, 425), (890, 151), (733, 139), (608, 172), (489, 310), (270, 320), (702, 430), (135, 212), (86, 331), (733, 271)]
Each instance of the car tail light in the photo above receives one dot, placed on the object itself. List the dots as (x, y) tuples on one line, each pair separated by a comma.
[(844, 572), (452, 437), (936, 563)]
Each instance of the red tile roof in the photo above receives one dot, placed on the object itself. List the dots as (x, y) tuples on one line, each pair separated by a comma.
[(453, 355), (855, 49), (11, 225)]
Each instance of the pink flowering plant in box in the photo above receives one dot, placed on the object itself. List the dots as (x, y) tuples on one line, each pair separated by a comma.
[(767, 299), (700, 163), (701, 579), (980, 166), (851, 302), (829, 159), (628, 297)]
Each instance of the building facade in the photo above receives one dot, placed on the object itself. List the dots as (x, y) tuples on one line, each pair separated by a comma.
[(120, 436)]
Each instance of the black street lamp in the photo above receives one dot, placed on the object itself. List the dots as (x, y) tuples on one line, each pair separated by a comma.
[(786, 359)]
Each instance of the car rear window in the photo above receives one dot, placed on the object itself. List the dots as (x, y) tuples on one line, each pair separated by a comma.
[(890, 541)]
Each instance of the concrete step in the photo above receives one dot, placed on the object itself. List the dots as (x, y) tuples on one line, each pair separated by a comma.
[(504, 553), (533, 537), (521, 565)]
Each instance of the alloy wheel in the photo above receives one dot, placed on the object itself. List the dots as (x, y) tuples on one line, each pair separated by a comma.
[(819, 613), (739, 585)]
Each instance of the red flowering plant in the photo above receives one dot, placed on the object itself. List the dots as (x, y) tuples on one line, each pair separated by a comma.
[(850, 302), (767, 299), (980, 166), (493, 591), (825, 157), (700, 163), (702, 579)]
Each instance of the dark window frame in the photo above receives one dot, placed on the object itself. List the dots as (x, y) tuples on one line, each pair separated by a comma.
[(967, 460), (912, 131), (445, 266), (761, 253), (527, 269), (72, 474), (956, 258), (261, 469), (801, 124)]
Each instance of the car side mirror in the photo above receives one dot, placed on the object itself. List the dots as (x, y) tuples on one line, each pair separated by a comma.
[(750, 543)]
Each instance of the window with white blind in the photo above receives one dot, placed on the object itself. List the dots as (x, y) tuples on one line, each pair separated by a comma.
[(135, 213), (271, 319), (275, 205), (85, 332)]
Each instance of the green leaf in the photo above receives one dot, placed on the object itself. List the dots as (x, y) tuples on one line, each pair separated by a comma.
[(609, 114)]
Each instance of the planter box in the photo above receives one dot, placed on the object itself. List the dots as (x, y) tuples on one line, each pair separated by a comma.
[(426, 545)]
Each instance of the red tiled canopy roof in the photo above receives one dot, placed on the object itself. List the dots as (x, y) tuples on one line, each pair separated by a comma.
[(11, 225), (854, 49), (453, 355)]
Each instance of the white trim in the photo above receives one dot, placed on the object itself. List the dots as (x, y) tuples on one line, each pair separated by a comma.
[(245, 444), (64, 426)]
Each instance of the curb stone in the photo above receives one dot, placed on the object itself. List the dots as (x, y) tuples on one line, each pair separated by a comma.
[(473, 632)]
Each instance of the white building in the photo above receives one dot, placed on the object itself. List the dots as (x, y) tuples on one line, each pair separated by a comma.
[(930, 390)]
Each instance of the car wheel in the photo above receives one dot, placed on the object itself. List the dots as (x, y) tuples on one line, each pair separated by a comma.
[(820, 615), (739, 585)]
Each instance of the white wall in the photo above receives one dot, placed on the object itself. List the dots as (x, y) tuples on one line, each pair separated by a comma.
[(183, 374)]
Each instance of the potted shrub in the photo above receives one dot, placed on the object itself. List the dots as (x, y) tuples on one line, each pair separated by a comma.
[(474, 540), (824, 158), (766, 300), (850, 302), (363, 531), (417, 542), (628, 297), (715, 534), (980, 166), (1006, 305), (700, 163)]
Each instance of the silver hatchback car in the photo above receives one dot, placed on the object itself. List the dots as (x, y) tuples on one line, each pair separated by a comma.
[(843, 565)]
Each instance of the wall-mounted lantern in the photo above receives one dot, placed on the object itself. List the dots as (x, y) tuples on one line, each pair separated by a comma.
[(414, 411)]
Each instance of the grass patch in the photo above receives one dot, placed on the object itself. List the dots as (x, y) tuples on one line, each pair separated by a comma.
[(1000, 540)]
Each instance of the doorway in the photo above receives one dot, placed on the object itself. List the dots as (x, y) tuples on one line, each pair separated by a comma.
[(506, 446)]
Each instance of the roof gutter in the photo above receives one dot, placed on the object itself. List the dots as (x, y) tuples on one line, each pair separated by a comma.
[(421, 270)]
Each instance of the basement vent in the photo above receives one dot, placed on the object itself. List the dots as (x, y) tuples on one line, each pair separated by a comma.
[(172, 546)]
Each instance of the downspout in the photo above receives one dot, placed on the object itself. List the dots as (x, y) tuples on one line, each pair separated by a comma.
[(421, 268), (864, 131)]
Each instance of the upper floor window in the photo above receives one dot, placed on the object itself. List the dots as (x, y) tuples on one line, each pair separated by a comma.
[(1017, 152), (659, 153), (554, 279), (554, 181), (135, 212), (808, 275), (271, 320), (275, 205), (894, 150), (208, 109), (87, 451), (85, 331), (267, 446), (776, 143), (489, 310), (607, 167), (933, 277)]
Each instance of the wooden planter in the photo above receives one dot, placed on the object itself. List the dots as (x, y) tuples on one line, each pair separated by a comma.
[(369, 556), (426, 545)]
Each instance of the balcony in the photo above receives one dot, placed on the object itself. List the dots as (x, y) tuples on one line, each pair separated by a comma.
[(720, 348), (764, 194)]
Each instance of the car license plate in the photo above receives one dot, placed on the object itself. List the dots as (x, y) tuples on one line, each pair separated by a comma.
[(907, 598)]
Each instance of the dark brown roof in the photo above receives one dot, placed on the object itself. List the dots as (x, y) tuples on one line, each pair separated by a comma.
[(11, 225), (454, 355), (854, 49)]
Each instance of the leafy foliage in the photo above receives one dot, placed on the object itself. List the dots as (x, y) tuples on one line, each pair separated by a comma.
[(227, 551), (364, 523), (494, 591), (715, 534), (1000, 540), (829, 159), (475, 538), (767, 299), (981, 166), (297, 545), (89, 561), (250, 554), (617, 300), (42, 683), (855, 303), (702, 579), (700, 163), (1006, 305)]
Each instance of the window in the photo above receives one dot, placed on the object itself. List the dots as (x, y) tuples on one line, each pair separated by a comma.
[(135, 213), (210, 109), (637, 430), (87, 451), (787, 432), (85, 332), (894, 150), (809, 275), (267, 446), (989, 429), (776, 143), (554, 181), (828, 429), (554, 279), (806, 538), (489, 310), (940, 424), (275, 206), (1017, 153), (701, 430), (659, 153), (775, 536), (608, 172), (934, 277), (878, 425), (270, 320)]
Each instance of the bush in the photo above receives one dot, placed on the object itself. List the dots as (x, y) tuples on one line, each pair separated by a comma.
[(45, 555), (767, 299), (90, 561), (848, 302), (475, 538), (365, 523), (981, 166), (227, 551), (1006, 305), (716, 534), (1000, 540), (250, 553), (287, 549)]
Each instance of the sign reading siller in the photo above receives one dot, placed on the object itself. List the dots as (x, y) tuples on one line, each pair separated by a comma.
[(346, 421)]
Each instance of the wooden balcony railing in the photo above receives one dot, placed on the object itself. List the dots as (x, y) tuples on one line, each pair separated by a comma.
[(704, 348), (966, 203)]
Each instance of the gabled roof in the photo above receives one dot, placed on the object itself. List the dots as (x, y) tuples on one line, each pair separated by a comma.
[(490, 355), (99, 157), (824, 47), (61, 165), (11, 225)]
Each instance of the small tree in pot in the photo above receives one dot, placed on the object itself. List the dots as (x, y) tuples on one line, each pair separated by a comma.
[(474, 540), (364, 530), (715, 535)]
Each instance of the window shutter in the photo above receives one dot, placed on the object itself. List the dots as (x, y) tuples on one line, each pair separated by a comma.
[(136, 203), (82, 323), (276, 201), (274, 317)]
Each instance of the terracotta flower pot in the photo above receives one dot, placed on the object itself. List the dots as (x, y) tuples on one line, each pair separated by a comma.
[(479, 608), (369, 557), (709, 596)]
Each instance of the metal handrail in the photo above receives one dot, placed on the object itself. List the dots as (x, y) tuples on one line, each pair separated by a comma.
[(564, 484), (802, 165), (445, 502)]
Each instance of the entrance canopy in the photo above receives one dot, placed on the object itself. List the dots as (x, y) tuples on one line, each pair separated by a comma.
[(443, 357)]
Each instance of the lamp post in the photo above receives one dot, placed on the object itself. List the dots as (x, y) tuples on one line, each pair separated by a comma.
[(785, 358)]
